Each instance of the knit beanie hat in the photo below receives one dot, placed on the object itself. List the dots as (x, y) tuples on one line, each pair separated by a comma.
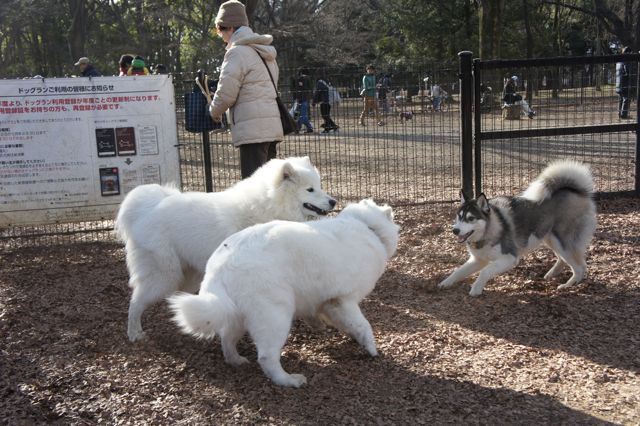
[(138, 63), (232, 14)]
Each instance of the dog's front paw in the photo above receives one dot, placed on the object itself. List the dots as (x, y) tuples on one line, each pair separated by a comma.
[(446, 284), (475, 292), (237, 361), (372, 350), (565, 285), (291, 380), (137, 336)]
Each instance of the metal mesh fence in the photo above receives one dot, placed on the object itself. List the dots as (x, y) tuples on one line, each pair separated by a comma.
[(414, 156), (578, 96), (411, 157), (55, 234), (509, 166)]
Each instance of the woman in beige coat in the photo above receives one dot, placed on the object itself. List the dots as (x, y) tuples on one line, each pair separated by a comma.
[(245, 89)]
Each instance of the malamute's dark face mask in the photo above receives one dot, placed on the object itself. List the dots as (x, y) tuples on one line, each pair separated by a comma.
[(471, 218)]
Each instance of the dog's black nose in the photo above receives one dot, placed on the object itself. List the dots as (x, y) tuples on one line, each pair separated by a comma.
[(456, 231), (332, 203)]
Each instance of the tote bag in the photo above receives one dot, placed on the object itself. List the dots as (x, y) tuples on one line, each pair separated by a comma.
[(196, 113), (196, 110)]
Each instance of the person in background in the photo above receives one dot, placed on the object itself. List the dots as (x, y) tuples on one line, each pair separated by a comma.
[(246, 90), (623, 86), (321, 96), (138, 67), (125, 63), (436, 96), (383, 92), (160, 69), (86, 68), (302, 93), (510, 96), (369, 96)]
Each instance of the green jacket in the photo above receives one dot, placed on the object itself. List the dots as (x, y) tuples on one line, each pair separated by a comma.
[(369, 85)]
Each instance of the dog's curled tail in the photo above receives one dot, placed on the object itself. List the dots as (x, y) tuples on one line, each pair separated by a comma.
[(201, 315), (564, 174), (137, 204)]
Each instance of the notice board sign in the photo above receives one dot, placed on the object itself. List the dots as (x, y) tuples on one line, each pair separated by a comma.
[(72, 148)]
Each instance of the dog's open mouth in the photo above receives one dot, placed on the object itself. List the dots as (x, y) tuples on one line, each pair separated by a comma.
[(316, 209), (463, 238)]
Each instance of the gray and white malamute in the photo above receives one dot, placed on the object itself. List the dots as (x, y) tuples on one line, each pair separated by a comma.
[(556, 209)]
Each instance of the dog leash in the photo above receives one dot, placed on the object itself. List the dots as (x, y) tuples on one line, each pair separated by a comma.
[(202, 81)]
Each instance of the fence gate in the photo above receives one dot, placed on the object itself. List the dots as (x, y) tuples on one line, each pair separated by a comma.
[(576, 116)]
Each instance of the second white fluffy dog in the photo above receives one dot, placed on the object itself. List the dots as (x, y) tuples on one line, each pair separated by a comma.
[(260, 278)]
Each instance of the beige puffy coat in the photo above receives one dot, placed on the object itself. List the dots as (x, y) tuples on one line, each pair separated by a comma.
[(246, 91)]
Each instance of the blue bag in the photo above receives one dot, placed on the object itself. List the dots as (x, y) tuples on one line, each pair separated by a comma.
[(196, 110), (196, 113)]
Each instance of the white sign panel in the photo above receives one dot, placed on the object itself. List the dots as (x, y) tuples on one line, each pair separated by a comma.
[(72, 148)]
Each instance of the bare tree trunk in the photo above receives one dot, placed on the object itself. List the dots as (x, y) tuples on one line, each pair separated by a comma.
[(484, 44), (467, 20), (496, 28), (632, 21), (528, 47), (484, 49), (628, 14), (77, 34), (597, 52), (250, 6), (527, 29), (140, 29), (490, 28), (556, 83)]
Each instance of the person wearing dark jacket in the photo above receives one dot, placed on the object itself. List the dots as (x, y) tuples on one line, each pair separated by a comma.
[(623, 86), (321, 96), (86, 68), (510, 96), (302, 92)]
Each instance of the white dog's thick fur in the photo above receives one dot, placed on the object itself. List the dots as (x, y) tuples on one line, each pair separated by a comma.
[(170, 235), (260, 278)]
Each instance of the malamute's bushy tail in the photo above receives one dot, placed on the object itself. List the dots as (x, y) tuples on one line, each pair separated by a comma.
[(138, 203), (558, 175), (200, 315)]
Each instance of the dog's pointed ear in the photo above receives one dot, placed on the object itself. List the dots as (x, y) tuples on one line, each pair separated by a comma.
[(464, 197), (483, 203), (388, 211), (307, 159), (287, 172)]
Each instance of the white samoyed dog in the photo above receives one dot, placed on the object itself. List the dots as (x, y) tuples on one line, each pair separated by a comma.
[(170, 235), (261, 278)]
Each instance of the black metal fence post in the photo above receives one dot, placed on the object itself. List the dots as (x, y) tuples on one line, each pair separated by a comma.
[(637, 159), (206, 161), (466, 120), (477, 126), (206, 150)]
